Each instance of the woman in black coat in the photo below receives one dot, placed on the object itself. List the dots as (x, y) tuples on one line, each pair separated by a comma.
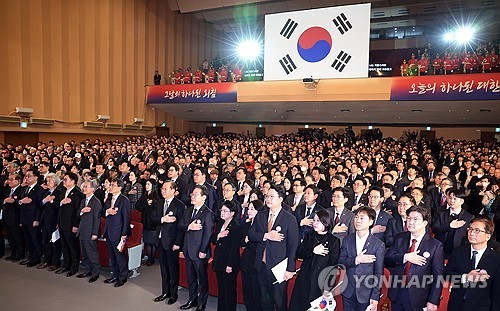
[(249, 275), (146, 206), (319, 249), (226, 238)]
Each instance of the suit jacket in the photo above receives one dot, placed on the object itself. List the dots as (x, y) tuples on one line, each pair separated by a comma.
[(441, 227), (247, 262), (32, 211), (300, 213), (394, 227), (12, 211), (227, 249), (419, 295), (291, 197), (322, 184), (464, 297), (348, 254), (68, 213), (89, 222), (383, 219), (199, 240), (170, 233), (346, 218), (363, 200), (117, 225), (50, 214), (211, 198), (275, 251)]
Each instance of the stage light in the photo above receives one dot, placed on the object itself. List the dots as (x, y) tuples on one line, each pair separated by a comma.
[(249, 50), (464, 35), (449, 36)]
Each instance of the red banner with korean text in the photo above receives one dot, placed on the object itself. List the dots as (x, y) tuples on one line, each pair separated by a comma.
[(447, 87), (224, 92)]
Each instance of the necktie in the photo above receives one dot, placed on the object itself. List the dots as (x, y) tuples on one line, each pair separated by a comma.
[(356, 199), (430, 175), (11, 192), (337, 219), (113, 201), (443, 199), (448, 244), (308, 212), (408, 264), (473, 260), (195, 212), (405, 226), (269, 227), (87, 201), (165, 208)]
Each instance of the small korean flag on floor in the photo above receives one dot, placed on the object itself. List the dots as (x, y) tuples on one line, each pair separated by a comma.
[(322, 43)]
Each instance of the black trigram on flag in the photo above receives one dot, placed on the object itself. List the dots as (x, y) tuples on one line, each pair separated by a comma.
[(288, 29), (287, 64), (342, 23), (342, 59)]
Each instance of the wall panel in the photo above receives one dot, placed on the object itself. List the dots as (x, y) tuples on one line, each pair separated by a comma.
[(70, 59)]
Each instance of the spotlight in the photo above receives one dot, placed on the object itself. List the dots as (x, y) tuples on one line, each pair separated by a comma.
[(249, 50), (464, 35), (449, 36)]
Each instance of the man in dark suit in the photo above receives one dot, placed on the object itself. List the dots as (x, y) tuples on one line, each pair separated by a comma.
[(415, 255), (166, 217), (197, 223), (383, 219), (228, 194), (318, 181), (31, 214), (362, 254), (297, 197), (200, 178), (276, 232), (173, 175), (305, 212), (342, 218), (475, 271), (359, 197), (450, 226), (68, 224), (116, 230), (88, 230), (12, 217), (49, 221), (398, 225)]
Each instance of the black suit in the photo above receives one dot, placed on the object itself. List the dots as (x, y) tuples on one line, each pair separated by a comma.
[(466, 297), (211, 198), (414, 296), (274, 295), (196, 242), (68, 219), (451, 238), (30, 213), (249, 275), (170, 236), (49, 222), (226, 254), (89, 226), (394, 227), (115, 228), (12, 219), (300, 213)]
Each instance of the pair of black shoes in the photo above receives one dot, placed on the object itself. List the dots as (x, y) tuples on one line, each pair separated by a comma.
[(115, 280), (171, 300), (192, 304), (85, 275)]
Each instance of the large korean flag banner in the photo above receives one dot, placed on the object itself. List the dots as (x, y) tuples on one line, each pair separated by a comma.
[(322, 43)]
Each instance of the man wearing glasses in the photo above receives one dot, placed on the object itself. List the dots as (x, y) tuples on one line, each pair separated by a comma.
[(276, 232), (415, 256), (116, 230), (475, 269)]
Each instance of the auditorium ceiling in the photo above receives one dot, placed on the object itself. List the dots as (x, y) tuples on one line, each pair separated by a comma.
[(485, 113), (233, 16)]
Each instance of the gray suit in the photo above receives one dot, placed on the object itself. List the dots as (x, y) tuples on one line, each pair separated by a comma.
[(89, 225)]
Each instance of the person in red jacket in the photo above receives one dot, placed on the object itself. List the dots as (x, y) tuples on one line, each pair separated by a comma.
[(178, 76), (437, 65), (486, 63), (236, 74), (467, 63), (198, 76), (494, 60), (404, 68), (448, 64), (210, 76), (188, 75), (223, 74), (423, 65)]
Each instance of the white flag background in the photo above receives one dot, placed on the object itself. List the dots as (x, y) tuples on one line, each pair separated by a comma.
[(321, 43)]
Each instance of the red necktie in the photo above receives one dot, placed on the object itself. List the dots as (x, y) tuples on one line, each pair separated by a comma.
[(336, 221), (408, 264)]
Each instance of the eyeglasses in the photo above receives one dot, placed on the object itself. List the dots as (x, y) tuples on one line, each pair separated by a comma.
[(404, 204), (271, 196), (373, 197), (413, 219), (225, 211), (476, 230), (113, 185)]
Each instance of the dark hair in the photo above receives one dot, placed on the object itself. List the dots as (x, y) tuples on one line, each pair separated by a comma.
[(459, 194), (279, 189), (324, 217), (258, 193), (426, 216), (118, 182), (362, 180), (230, 205), (489, 225), (370, 212), (72, 176), (173, 184), (154, 189), (388, 174), (249, 183), (204, 190), (344, 191), (302, 181), (175, 166), (258, 205), (314, 188), (388, 186), (378, 189), (233, 187)]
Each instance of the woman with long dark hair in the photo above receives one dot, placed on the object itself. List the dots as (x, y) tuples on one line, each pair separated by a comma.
[(146, 206)]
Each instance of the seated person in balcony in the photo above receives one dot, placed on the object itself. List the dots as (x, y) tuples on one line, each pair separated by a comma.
[(237, 75), (188, 75), (437, 65)]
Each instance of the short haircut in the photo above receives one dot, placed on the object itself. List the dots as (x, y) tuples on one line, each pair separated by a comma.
[(324, 218), (342, 190), (314, 188), (302, 181), (279, 189), (52, 176), (233, 187), (378, 189), (258, 205), (72, 176), (204, 190), (489, 225), (370, 212), (361, 179), (460, 194), (173, 184), (118, 182), (230, 205), (388, 186), (426, 216)]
